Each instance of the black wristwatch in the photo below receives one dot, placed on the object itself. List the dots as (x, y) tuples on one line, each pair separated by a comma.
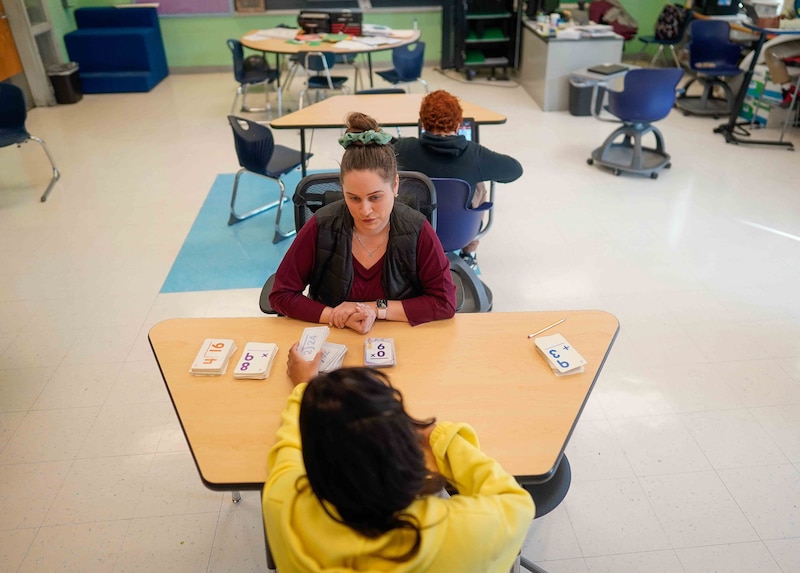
[(382, 304)]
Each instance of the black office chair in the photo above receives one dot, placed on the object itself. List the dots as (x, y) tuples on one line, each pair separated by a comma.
[(457, 224), (713, 59), (321, 63), (13, 114), (546, 497), (254, 70), (407, 61), (319, 189), (648, 96), (258, 154)]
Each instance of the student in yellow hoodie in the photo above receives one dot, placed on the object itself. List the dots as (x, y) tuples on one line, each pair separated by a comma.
[(353, 482)]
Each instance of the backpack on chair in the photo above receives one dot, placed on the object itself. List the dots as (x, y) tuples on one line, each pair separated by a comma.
[(669, 22)]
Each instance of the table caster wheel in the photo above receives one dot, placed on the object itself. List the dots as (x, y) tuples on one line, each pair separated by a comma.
[(654, 175), (617, 172), (590, 161), (668, 166)]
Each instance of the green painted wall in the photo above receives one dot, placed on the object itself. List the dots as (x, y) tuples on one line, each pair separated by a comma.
[(199, 41)]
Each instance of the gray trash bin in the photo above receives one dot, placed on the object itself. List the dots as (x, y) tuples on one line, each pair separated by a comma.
[(66, 82), (580, 96)]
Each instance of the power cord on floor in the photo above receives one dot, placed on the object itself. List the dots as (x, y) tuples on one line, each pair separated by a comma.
[(494, 83)]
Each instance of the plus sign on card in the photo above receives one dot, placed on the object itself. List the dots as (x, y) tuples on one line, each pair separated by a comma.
[(560, 354)]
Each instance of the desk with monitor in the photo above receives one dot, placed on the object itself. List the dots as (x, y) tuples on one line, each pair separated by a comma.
[(477, 368)]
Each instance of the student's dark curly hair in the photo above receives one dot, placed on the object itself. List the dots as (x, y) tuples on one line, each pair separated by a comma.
[(362, 453), (371, 156), (440, 112)]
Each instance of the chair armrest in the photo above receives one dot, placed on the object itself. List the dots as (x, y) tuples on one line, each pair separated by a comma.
[(482, 207), (488, 223)]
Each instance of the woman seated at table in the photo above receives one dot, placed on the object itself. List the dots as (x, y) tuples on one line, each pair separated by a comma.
[(353, 482), (368, 256)]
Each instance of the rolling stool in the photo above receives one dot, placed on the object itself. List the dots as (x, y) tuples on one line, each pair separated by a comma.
[(546, 497)]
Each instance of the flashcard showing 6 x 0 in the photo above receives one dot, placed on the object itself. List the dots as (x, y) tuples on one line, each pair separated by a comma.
[(379, 352)]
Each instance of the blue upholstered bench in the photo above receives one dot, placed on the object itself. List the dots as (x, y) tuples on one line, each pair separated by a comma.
[(117, 49)]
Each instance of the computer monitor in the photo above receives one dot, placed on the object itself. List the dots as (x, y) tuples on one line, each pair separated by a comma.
[(717, 7), (466, 128)]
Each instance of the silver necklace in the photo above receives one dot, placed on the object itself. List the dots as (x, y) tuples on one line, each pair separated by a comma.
[(371, 253)]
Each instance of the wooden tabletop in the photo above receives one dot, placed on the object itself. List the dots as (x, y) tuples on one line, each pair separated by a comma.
[(280, 46), (477, 368), (388, 109)]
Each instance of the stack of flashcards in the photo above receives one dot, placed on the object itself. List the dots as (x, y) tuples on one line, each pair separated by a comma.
[(213, 357), (379, 352), (256, 360), (312, 340), (560, 355), (332, 356)]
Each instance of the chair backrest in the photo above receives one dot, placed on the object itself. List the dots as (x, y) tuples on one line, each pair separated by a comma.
[(648, 96), (237, 51), (319, 189), (710, 45), (456, 222), (320, 61), (381, 91), (12, 107), (254, 144), (408, 61)]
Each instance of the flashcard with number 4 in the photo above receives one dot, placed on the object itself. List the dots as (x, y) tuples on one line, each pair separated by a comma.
[(213, 356)]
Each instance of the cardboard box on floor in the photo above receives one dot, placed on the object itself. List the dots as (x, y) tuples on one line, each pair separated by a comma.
[(763, 98)]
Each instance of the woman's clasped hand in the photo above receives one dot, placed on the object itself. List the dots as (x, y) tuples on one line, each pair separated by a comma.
[(355, 315)]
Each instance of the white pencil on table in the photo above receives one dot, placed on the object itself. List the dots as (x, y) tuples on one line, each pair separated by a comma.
[(547, 328)]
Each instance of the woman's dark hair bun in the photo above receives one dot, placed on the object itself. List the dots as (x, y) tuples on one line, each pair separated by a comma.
[(357, 121)]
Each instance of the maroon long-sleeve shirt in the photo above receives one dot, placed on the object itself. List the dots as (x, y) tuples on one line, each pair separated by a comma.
[(437, 302)]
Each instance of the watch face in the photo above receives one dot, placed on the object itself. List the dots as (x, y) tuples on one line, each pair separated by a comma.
[(381, 303)]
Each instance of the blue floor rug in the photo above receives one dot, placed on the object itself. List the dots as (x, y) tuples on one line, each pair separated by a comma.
[(216, 256)]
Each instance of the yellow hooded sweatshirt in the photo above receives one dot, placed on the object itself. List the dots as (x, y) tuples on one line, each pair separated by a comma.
[(480, 530)]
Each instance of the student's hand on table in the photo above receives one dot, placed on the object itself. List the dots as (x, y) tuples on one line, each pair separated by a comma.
[(342, 313), (362, 320), (298, 369)]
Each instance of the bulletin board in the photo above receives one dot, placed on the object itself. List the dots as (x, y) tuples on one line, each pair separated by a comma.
[(191, 6)]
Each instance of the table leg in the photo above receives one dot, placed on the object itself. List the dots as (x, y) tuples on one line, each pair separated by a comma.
[(729, 129), (369, 64), (303, 151)]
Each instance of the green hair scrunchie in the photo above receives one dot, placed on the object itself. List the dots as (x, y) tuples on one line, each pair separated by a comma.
[(364, 138)]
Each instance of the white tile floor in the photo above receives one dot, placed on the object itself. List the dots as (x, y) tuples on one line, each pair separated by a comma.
[(686, 459)]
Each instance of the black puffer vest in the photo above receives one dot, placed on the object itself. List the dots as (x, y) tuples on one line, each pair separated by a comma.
[(333, 269)]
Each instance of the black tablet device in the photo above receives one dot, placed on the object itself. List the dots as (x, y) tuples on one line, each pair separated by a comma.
[(465, 129)]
